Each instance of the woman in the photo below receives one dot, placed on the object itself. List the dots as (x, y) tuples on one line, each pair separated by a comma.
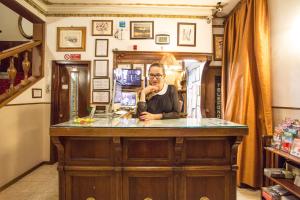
[(158, 100)]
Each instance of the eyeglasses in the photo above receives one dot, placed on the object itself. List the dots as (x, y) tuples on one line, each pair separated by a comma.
[(157, 76)]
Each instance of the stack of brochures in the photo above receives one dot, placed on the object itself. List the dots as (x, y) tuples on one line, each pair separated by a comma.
[(277, 192)]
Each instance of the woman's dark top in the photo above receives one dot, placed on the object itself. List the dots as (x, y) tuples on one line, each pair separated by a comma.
[(166, 104)]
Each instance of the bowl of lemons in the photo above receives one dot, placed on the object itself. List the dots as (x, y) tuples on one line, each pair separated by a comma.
[(86, 120)]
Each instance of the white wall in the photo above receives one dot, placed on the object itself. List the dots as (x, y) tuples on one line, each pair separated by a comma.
[(285, 46), (9, 27), (285, 57)]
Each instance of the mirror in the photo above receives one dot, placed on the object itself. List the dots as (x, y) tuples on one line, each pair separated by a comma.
[(25, 28)]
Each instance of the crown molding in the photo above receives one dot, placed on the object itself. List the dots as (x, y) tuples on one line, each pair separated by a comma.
[(118, 10)]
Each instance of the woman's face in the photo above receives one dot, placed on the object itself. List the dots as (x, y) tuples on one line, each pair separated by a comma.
[(156, 77)]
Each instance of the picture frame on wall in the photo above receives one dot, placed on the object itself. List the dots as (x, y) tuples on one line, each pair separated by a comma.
[(101, 48), (101, 68), (102, 27), (162, 39), (101, 84), (101, 97), (141, 30), (218, 46), (36, 93), (186, 34), (71, 39)]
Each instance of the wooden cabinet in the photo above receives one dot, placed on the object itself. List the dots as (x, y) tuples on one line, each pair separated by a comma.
[(274, 158)]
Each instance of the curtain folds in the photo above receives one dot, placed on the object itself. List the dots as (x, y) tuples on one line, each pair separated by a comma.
[(246, 87)]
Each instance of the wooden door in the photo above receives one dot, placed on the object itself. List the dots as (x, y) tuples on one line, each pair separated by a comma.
[(60, 95), (70, 90)]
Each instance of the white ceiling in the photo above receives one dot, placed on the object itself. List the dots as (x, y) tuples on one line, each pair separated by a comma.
[(190, 8)]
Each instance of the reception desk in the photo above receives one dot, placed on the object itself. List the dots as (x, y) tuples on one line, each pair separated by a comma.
[(126, 159)]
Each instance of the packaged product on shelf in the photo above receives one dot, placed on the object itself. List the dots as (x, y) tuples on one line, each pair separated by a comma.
[(287, 141), (295, 149)]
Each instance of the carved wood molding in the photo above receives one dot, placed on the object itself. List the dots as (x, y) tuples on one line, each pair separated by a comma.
[(179, 149), (117, 150), (234, 150), (61, 152)]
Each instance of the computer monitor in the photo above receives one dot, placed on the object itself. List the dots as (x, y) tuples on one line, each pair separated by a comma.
[(117, 92), (129, 99), (129, 77)]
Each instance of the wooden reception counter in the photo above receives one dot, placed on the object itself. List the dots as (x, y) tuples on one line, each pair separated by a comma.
[(125, 159)]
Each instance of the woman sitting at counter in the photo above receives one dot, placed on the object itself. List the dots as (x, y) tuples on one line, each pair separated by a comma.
[(158, 100)]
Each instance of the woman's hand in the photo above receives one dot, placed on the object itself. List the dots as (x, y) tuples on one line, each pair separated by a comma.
[(150, 89), (145, 116)]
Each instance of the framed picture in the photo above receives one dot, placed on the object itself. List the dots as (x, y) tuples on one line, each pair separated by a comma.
[(186, 34), (36, 93), (141, 29), (218, 46), (101, 84), (101, 97), (102, 27), (71, 38), (101, 48), (162, 39), (101, 68)]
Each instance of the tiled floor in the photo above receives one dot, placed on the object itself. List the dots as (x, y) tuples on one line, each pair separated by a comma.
[(42, 184)]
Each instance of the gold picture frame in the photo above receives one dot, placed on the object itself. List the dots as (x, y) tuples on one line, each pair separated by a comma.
[(71, 39), (218, 46)]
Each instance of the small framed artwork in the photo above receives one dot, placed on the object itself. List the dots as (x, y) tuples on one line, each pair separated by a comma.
[(162, 39), (186, 34), (101, 68), (36, 93), (101, 97), (101, 48), (218, 46), (71, 38), (101, 84), (102, 27), (141, 30)]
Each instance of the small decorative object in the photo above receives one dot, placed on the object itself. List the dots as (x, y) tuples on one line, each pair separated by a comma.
[(12, 72), (101, 48), (141, 29), (102, 27), (101, 97), (101, 84), (26, 67), (218, 47), (22, 24), (71, 38), (36, 93), (186, 34), (162, 39), (122, 24), (134, 47), (101, 68)]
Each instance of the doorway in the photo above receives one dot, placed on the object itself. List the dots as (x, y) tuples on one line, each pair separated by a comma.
[(70, 95)]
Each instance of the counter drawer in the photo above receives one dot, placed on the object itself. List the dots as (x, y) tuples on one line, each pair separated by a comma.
[(148, 186), (91, 185)]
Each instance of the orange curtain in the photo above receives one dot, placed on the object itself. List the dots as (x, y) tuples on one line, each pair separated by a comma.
[(246, 88)]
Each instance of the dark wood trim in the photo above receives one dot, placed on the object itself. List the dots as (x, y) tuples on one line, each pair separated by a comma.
[(27, 104), (286, 108), (21, 10), (24, 174), (218, 26), (18, 92), (195, 34), (18, 49)]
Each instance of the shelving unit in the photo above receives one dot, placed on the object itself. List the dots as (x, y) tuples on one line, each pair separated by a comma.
[(288, 184)]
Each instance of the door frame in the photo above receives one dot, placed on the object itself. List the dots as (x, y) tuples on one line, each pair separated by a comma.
[(54, 87)]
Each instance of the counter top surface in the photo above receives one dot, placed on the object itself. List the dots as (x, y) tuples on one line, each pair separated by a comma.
[(169, 123)]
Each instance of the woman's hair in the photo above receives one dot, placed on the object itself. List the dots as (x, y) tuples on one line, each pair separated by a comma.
[(156, 64)]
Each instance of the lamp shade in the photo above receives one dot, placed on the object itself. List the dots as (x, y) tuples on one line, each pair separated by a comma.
[(169, 60)]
